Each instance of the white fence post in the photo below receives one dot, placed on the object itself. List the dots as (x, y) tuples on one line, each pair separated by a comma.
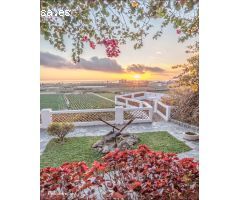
[(155, 106), (46, 117), (145, 95), (151, 114), (126, 103), (168, 112), (119, 118)]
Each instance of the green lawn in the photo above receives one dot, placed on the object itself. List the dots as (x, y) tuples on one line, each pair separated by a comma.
[(162, 141), (79, 148), (53, 101)]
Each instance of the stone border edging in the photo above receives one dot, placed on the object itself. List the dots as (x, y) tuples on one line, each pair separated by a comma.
[(185, 125)]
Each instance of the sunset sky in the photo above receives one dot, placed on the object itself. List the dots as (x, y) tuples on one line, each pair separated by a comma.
[(156, 55)]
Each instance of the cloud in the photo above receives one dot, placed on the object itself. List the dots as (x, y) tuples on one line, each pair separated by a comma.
[(54, 61), (95, 64), (141, 69), (100, 64)]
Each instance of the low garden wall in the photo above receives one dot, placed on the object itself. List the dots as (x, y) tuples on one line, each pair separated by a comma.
[(90, 117)]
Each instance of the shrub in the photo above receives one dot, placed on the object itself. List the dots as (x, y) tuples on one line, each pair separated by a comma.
[(130, 174), (184, 93), (186, 105), (65, 178), (60, 129)]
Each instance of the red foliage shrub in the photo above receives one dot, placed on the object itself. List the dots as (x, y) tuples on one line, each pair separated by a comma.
[(129, 174), (60, 182)]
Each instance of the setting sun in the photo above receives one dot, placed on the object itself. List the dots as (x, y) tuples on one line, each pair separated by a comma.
[(136, 76)]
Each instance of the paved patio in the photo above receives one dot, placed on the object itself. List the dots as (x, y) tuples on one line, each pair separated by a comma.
[(173, 129)]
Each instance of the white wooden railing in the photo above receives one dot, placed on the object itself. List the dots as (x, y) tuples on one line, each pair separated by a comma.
[(163, 110), (140, 99), (138, 105), (90, 117)]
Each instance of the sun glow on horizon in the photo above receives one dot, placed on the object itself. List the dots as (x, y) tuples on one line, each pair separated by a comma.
[(137, 76), (85, 75)]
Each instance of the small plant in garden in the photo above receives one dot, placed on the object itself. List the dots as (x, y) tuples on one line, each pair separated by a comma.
[(130, 174), (60, 129)]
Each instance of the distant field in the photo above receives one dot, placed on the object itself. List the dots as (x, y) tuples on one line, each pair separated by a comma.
[(76, 101), (87, 101), (53, 101), (107, 95)]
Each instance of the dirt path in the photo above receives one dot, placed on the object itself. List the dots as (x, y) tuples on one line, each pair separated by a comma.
[(66, 100), (102, 97)]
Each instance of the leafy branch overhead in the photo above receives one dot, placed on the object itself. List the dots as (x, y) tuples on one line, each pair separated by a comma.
[(113, 23), (189, 76)]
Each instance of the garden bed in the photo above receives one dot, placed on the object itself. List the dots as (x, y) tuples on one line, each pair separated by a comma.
[(79, 148)]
